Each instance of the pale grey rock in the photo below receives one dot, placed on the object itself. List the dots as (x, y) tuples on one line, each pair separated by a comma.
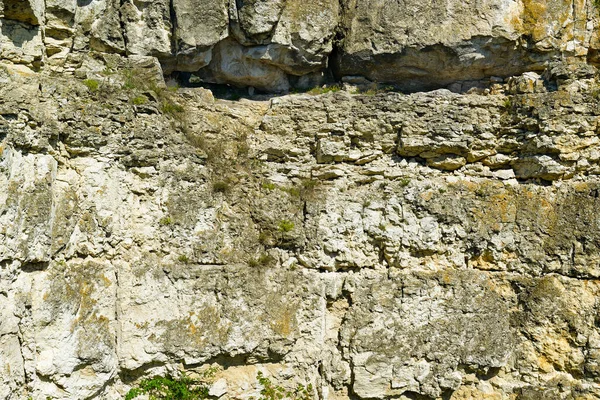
[(21, 43), (219, 388), (231, 64), (420, 45), (121, 259), (147, 27), (529, 82), (543, 167), (447, 162), (400, 320), (28, 12), (28, 234), (198, 27), (200, 24), (103, 21), (254, 20), (303, 37), (412, 45)]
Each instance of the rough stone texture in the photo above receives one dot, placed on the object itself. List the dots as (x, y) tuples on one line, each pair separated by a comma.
[(274, 45), (377, 245), (420, 44)]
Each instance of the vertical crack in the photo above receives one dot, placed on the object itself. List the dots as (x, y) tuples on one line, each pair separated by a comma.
[(122, 25)]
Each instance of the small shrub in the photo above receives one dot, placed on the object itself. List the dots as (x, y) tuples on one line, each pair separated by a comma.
[(266, 238), (92, 84), (370, 92), (139, 100), (270, 391), (168, 388), (269, 186), (108, 71), (404, 182), (285, 226), (171, 108), (133, 80), (220, 187), (165, 221), (264, 260), (183, 259), (304, 190)]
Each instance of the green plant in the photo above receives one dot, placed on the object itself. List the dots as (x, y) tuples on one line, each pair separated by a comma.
[(169, 107), (183, 259), (168, 388), (139, 100), (265, 238), (404, 182), (133, 80), (220, 187), (107, 71), (92, 84), (165, 221), (370, 92), (271, 391), (264, 260), (285, 226), (304, 190), (269, 186), (325, 89)]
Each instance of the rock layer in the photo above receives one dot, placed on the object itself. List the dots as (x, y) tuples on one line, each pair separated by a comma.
[(375, 245), (413, 45)]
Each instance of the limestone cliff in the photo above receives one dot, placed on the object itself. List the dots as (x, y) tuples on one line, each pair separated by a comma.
[(277, 44), (371, 242)]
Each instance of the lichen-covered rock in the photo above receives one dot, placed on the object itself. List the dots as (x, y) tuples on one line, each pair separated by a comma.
[(272, 45), (374, 245), (417, 45), (412, 332)]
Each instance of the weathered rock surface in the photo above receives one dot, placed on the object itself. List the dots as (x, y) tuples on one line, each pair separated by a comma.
[(420, 44), (269, 45), (376, 245)]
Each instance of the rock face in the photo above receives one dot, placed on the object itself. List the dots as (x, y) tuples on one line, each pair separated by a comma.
[(372, 243), (379, 245), (430, 44), (273, 45)]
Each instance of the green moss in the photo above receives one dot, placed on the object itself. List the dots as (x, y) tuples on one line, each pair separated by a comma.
[(304, 191), (165, 221), (404, 182), (92, 84), (325, 89), (285, 226), (139, 100), (269, 186)]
